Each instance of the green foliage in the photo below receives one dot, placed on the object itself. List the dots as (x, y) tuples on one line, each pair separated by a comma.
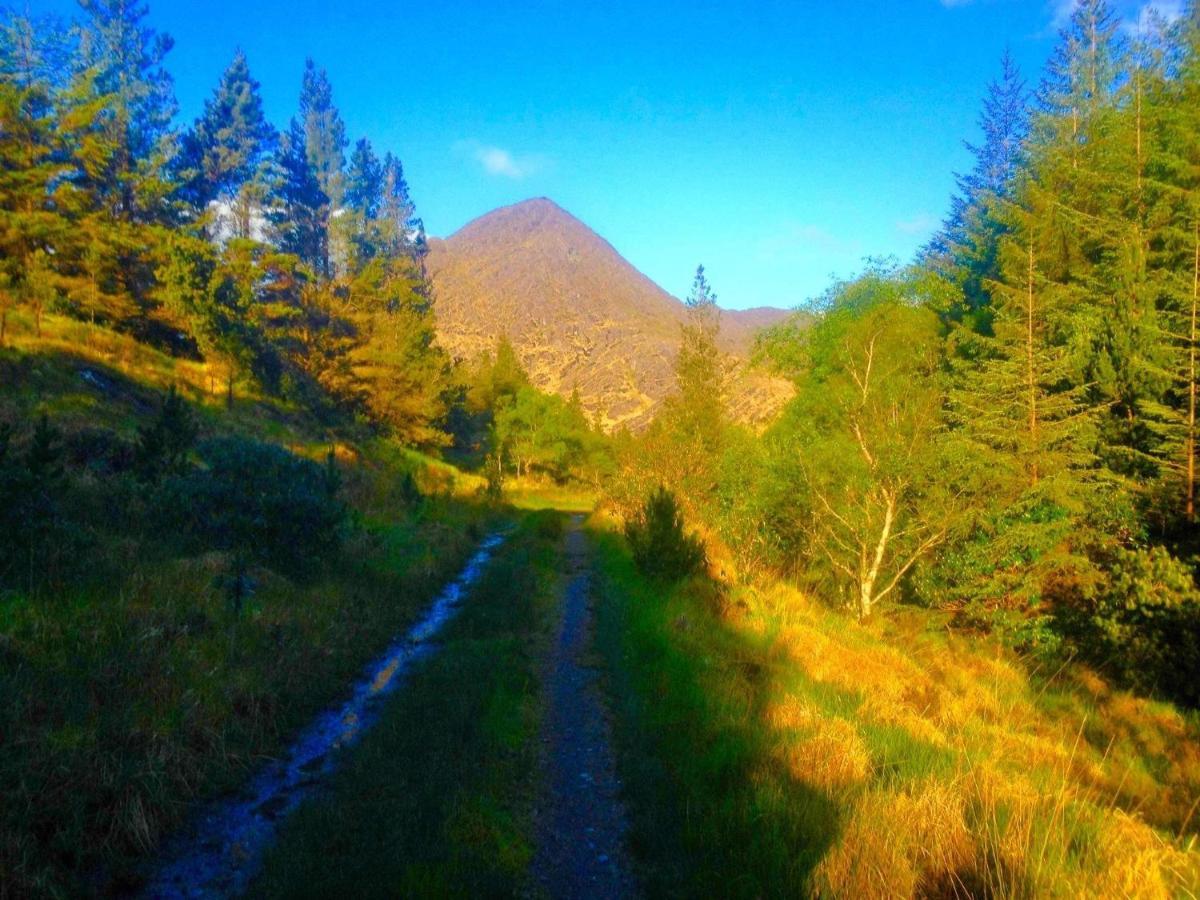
[(876, 482), (258, 503), (1143, 624), (163, 446), (657, 539)]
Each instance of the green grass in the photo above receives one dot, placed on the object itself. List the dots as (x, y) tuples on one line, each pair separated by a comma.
[(708, 806), (436, 799), (123, 705), (532, 494), (130, 688), (772, 747)]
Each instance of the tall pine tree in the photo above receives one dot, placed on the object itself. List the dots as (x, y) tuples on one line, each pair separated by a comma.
[(227, 152)]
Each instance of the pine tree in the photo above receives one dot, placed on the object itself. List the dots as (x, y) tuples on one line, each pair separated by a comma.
[(968, 245), (228, 150), (1172, 202), (127, 57), (402, 231), (700, 367), (29, 163), (364, 199), (300, 209), (324, 132)]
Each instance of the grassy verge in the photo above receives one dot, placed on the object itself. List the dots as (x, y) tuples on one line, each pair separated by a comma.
[(122, 707), (436, 799), (773, 748), (130, 687)]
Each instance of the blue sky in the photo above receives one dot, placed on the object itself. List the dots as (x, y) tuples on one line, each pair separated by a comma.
[(776, 142)]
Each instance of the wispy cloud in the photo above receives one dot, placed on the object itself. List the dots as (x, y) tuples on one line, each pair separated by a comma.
[(1144, 18), (951, 4), (806, 237), (500, 162), (920, 224)]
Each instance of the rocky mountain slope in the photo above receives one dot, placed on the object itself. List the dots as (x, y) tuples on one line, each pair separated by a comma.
[(579, 315)]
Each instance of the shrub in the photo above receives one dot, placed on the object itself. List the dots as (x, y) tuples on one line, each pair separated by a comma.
[(40, 544), (661, 548), (259, 503), (1144, 624), (163, 447)]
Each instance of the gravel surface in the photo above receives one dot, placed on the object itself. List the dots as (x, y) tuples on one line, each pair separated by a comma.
[(581, 823)]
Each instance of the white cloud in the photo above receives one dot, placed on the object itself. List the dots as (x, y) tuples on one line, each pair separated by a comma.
[(1166, 10), (920, 224), (500, 162), (1061, 13)]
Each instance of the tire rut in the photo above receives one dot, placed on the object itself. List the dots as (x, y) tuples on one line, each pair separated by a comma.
[(581, 824)]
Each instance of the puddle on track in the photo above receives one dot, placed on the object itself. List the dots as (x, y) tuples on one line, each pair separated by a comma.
[(223, 849)]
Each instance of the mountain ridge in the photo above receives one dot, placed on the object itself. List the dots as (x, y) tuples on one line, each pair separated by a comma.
[(580, 316)]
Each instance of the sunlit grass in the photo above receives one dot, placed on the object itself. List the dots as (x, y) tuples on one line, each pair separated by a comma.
[(777, 747), (532, 493)]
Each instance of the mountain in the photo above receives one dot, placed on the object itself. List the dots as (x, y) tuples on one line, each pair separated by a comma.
[(579, 315)]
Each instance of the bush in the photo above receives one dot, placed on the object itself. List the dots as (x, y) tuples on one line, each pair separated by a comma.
[(259, 503), (163, 447), (1144, 625), (41, 546), (660, 546)]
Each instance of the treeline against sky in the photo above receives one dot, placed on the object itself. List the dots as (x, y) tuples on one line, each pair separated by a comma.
[(1007, 427), (289, 260)]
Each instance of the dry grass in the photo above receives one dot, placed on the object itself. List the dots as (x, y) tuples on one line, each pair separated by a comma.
[(1056, 785), (948, 766)]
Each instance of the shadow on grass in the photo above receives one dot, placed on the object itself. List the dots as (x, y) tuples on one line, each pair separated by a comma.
[(716, 810), (435, 801)]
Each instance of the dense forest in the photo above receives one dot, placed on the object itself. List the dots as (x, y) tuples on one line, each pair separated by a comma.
[(235, 459)]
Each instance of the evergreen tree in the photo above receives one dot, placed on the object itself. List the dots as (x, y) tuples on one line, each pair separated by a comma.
[(364, 181), (402, 231), (968, 244), (324, 132), (127, 56), (300, 209), (228, 150), (29, 163), (700, 368), (364, 199)]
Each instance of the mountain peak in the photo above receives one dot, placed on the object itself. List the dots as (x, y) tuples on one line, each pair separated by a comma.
[(537, 214), (580, 316)]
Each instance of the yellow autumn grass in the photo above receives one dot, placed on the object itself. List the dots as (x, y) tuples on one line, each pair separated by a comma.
[(1050, 784)]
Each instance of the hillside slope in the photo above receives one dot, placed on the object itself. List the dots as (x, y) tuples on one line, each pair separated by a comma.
[(579, 315), (772, 745)]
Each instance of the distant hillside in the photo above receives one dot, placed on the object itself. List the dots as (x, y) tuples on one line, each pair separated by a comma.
[(579, 315)]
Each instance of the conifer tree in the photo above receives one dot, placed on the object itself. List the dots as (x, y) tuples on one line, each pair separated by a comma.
[(968, 244), (227, 152), (300, 209), (402, 231), (127, 56), (324, 132), (700, 368)]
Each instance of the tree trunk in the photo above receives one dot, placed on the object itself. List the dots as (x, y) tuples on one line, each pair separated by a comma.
[(870, 573), (1031, 381), (1191, 429), (229, 390)]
